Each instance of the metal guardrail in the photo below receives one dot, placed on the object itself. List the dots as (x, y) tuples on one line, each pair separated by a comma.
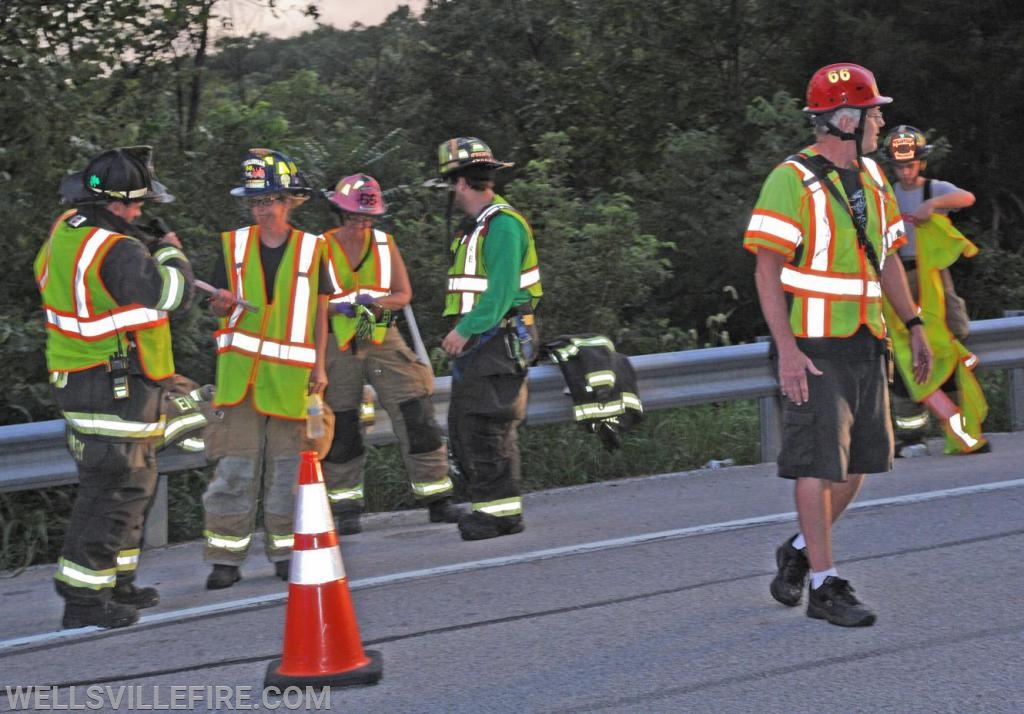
[(34, 456)]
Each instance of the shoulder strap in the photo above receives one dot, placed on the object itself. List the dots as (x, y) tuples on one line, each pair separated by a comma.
[(927, 189), (820, 167)]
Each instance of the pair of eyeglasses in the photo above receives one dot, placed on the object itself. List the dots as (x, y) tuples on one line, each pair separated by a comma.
[(265, 202)]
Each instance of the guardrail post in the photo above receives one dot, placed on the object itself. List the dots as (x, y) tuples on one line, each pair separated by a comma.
[(1015, 386), (770, 413), (155, 530), (1015, 383)]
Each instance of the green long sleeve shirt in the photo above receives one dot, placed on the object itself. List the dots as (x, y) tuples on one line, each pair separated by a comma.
[(504, 249)]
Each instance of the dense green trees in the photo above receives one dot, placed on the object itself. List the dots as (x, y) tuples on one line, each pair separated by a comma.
[(641, 131)]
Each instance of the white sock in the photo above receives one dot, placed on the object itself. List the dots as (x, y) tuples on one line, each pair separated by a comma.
[(818, 578), (799, 543)]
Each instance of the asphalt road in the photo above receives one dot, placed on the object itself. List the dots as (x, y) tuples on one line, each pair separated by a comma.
[(641, 595)]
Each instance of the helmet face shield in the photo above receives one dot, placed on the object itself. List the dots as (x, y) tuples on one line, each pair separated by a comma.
[(905, 144)]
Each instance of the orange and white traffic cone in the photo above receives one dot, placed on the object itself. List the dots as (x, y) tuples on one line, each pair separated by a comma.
[(321, 637)]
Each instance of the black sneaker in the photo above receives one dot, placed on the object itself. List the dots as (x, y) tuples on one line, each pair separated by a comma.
[(834, 601), (347, 523), (282, 568), (139, 598), (444, 511), (222, 576), (480, 526), (788, 585), (106, 614)]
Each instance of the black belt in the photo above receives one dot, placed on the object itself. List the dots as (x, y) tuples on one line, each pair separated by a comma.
[(909, 263)]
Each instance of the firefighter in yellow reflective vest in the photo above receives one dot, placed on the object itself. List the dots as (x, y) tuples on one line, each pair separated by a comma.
[(493, 288), (933, 244), (370, 286), (825, 230), (268, 359), (107, 286)]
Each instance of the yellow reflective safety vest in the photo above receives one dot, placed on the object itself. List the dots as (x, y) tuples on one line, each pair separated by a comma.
[(939, 244), (371, 277), (273, 350), (467, 278), (85, 325), (832, 286)]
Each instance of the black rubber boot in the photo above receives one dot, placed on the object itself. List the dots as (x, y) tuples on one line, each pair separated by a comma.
[(139, 598), (346, 520), (480, 526), (444, 511), (104, 613), (223, 576)]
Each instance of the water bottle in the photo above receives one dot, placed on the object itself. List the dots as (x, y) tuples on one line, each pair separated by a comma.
[(314, 417), (367, 415)]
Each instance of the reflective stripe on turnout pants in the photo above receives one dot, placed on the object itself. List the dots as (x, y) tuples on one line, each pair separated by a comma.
[(261, 457), (488, 402), (403, 385)]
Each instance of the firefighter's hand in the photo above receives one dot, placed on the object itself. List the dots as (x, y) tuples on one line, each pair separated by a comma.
[(318, 379), (922, 213), (793, 368), (222, 302), (453, 343), (171, 239), (922, 354)]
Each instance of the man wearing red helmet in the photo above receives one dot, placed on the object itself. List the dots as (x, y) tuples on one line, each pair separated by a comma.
[(824, 227), (370, 285)]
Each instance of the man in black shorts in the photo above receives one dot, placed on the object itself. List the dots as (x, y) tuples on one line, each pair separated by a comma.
[(824, 225)]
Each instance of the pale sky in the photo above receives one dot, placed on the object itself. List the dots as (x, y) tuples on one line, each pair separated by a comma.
[(251, 16)]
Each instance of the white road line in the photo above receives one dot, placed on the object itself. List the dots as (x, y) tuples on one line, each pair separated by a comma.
[(530, 557)]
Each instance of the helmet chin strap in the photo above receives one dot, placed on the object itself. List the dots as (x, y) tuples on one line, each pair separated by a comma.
[(856, 136), (448, 214)]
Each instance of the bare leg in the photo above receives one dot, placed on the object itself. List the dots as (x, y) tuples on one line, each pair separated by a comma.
[(819, 503)]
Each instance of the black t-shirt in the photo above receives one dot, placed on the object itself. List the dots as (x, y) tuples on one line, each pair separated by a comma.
[(270, 259), (850, 179)]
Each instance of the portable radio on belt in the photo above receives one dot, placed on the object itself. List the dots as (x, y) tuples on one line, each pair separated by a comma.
[(117, 365)]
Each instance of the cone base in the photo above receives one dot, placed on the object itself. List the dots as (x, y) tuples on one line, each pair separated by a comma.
[(370, 673)]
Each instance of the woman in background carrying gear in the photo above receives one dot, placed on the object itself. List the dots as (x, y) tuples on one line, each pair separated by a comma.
[(268, 359), (933, 244), (106, 300), (493, 288), (370, 286)]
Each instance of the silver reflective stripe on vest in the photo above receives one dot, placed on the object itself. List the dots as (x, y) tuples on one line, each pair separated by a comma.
[(830, 284), (241, 342), (301, 293), (472, 264), (90, 248), (107, 325), (241, 243)]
